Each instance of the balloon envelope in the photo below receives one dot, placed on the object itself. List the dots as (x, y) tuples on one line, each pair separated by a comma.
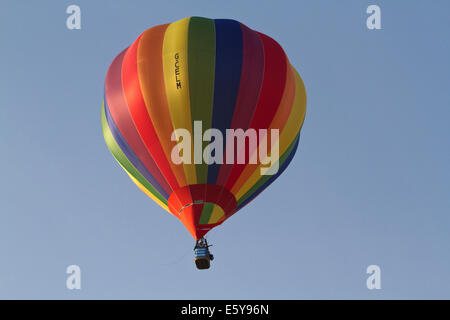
[(223, 75)]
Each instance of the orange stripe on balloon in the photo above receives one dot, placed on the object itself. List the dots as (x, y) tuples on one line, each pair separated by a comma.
[(140, 114)]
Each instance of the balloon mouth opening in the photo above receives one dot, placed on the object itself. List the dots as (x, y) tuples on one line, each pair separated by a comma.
[(201, 207)]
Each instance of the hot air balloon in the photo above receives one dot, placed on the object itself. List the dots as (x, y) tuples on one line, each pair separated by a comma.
[(223, 76)]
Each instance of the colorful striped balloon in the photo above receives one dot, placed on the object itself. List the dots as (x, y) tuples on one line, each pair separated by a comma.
[(218, 72)]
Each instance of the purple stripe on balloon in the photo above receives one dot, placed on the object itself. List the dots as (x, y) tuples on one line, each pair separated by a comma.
[(120, 114), (131, 156)]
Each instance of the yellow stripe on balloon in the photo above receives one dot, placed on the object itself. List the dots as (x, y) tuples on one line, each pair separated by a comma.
[(148, 193), (289, 132), (175, 66), (297, 116), (216, 215)]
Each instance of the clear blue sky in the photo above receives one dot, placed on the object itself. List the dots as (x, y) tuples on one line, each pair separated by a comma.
[(370, 183)]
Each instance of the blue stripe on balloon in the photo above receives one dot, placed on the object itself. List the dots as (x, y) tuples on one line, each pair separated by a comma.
[(228, 65), (129, 153)]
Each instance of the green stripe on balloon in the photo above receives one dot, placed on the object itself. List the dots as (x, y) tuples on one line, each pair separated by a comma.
[(206, 212), (201, 65)]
